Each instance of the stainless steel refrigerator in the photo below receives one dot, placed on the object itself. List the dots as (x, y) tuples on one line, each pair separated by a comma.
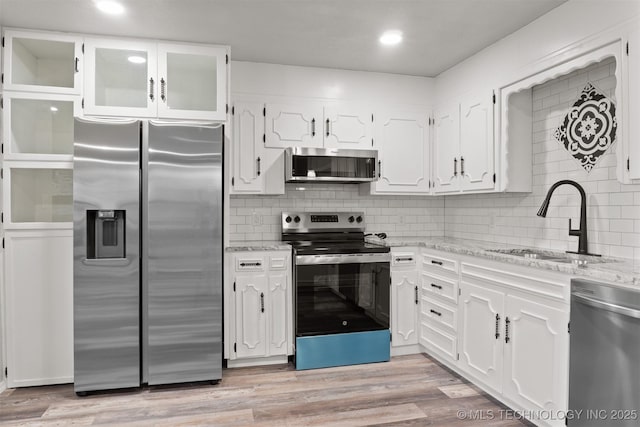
[(147, 253)]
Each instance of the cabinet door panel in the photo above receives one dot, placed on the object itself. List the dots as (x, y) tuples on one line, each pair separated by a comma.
[(633, 111), (446, 149), (193, 82), (42, 62), (278, 289), (120, 78), (248, 128), (39, 307), (403, 150), (347, 127), (251, 325), (293, 125), (476, 143), (536, 356), (480, 349), (404, 319)]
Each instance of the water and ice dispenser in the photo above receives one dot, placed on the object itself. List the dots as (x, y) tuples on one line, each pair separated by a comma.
[(105, 234)]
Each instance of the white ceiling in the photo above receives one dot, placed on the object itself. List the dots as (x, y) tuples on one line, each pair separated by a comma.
[(324, 33)]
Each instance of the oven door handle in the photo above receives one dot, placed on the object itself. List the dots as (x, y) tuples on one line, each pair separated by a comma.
[(343, 259)]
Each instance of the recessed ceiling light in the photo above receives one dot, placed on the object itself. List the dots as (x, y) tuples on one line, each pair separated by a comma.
[(110, 7), (54, 108), (137, 59), (391, 37)]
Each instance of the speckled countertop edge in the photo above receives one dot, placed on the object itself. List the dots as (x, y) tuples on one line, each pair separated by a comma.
[(256, 245), (618, 271)]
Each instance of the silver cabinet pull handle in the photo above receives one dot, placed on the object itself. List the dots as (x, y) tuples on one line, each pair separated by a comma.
[(416, 290), (75, 67), (258, 166), (461, 165), (327, 127), (455, 166), (497, 326), (163, 84), (506, 330), (151, 88), (313, 127), (262, 302), (435, 312)]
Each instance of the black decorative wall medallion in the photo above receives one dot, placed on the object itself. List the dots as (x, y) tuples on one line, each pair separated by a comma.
[(589, 128)]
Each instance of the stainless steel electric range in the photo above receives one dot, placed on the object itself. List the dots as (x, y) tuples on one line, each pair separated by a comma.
[(342, 290)]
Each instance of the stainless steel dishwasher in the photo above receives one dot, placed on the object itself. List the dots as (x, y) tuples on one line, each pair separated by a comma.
[(604, 366)]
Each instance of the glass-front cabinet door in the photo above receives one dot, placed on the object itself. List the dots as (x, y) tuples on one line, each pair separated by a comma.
[(39, 62), (38, 195), (120, 78), (192, 82), (39, 126)]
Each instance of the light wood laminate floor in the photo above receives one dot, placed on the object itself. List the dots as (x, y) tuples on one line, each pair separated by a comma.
[(407, 391)]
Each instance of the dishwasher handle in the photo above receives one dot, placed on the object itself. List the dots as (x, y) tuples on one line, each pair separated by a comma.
[(593, 302)]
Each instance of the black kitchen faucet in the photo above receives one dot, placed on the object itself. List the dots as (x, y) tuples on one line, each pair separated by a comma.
[(580, 232)]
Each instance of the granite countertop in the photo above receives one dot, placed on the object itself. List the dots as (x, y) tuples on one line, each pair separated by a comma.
[(257, 245), (618, 271)]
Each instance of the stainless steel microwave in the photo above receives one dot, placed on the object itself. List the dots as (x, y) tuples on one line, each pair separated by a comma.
[(331, 165)]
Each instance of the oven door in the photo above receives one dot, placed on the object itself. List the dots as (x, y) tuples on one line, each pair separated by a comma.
[(342, 293)]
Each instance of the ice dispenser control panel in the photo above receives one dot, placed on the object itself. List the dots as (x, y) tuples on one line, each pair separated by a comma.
[(106, 234)]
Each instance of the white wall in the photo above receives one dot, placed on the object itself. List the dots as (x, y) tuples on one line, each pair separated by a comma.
[(327, 83), (514, 57), (613, 208)]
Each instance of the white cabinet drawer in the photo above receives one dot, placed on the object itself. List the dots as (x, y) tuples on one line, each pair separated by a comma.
[(246, 263), (279, 262), (439, 313), (447, 289), (439, 264), (403, 259), (436, 339)]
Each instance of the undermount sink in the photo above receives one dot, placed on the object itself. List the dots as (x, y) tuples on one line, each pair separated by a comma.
[(579, 260)]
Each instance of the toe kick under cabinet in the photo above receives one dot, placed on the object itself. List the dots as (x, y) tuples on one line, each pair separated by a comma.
[(258, 308)]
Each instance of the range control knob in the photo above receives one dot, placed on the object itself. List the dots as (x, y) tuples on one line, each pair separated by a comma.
[(359, 219), (296, 219), (351, 218), (288, 219)]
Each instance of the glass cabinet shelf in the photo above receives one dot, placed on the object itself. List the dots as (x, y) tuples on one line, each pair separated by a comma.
[(39, 127), (38, 195), (42, 62)]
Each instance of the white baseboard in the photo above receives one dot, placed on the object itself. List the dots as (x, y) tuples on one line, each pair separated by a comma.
[(257, 361), (405, 350), (3, 386)]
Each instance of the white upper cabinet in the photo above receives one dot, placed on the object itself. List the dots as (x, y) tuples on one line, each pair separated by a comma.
[(293, 125), (254, 168), (42, 62), (193, 82), (148, 79), (476, 143), (348, 127), (248, 129), (402, 141), (633, 104), (314, 125), (446, 141), (120, 78), (463, 145), (39, 126)]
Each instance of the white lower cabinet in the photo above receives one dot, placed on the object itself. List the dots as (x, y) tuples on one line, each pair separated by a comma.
[(260, 308), (39, 303), (513, 340), (405, 297)]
